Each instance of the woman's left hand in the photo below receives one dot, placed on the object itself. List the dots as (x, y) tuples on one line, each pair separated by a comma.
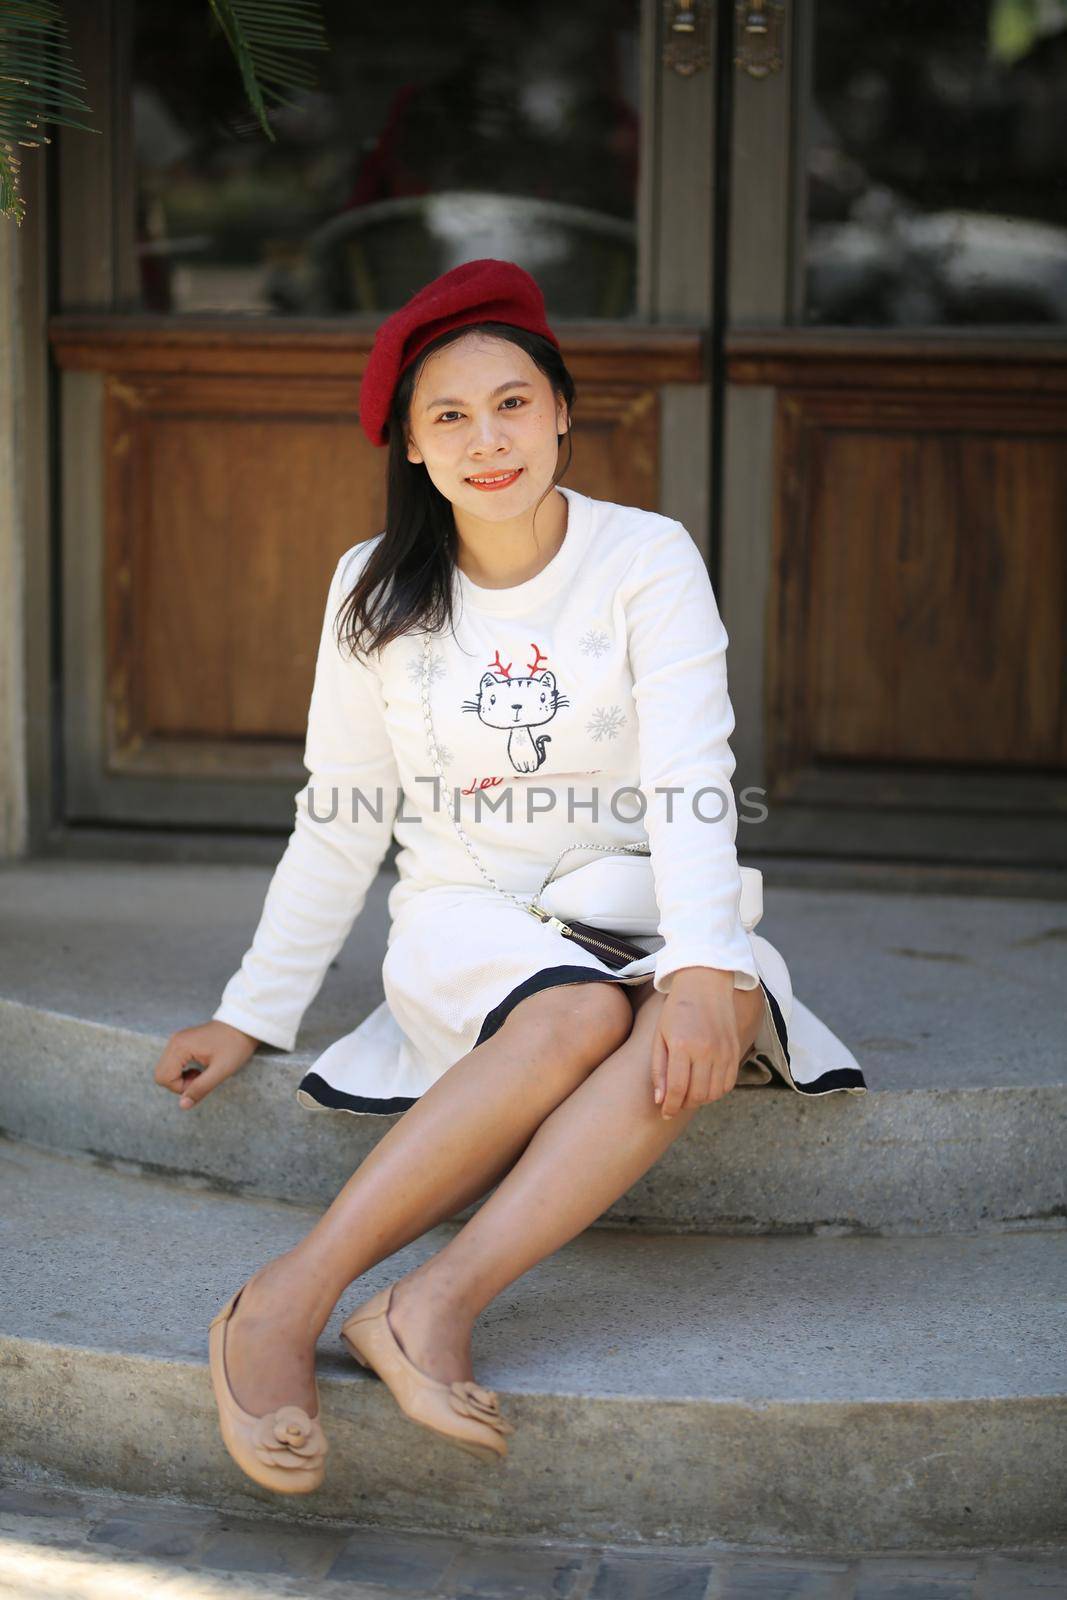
[(695, 1054)]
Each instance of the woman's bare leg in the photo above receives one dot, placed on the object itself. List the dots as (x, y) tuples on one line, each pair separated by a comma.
[(446, 1151), (592, 1148)]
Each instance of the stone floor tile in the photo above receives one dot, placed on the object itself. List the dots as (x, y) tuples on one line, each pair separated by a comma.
[(759, 1580), (33, 1502), (1007, 1589), (398, 1560), (651, 1577), (933, 1567), (914, 1587), (268, 1547), (516, 1574), (785, 1562), (1019, 1577), (145, 1537), (175, 1512)]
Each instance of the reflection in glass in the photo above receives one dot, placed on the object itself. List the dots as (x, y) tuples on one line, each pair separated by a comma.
[(436, 134), (937, 184)]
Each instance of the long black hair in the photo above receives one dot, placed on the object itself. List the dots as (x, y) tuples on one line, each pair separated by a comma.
[(408, 581)]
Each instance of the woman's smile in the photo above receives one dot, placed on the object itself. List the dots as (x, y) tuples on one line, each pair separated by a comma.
[(494, 480)]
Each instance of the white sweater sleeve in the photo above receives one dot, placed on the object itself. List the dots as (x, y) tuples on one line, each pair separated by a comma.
[(320, 884), (677, 649)]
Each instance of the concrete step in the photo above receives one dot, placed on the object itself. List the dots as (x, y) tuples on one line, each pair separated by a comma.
[(796, 1393), (952, 1004)]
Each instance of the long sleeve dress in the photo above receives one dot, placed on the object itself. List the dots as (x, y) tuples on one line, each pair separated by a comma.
[(588, 704)]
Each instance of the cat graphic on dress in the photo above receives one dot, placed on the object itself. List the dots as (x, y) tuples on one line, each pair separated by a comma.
[(519, 704)]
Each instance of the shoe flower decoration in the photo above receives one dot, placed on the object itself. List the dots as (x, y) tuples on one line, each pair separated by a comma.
[(470, 1399), (290, 1438)]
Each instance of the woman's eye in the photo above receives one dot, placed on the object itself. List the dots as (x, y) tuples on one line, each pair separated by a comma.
[(519, 401)]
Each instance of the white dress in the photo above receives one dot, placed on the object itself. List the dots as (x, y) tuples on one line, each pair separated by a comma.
[(589, 704)]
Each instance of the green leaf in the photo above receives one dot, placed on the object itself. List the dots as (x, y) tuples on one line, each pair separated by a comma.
[(39, 83), (255, 30)]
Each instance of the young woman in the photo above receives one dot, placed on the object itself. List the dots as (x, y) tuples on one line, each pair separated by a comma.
[(559, 662)]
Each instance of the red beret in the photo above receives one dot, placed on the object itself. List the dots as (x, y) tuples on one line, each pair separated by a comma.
[(478, 291)]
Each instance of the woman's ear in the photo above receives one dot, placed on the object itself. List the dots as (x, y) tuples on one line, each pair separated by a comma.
[(563, 422), (414, 453)]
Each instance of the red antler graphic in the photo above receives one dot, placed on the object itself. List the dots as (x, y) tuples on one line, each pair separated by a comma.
[(498, 666), (537, 660)]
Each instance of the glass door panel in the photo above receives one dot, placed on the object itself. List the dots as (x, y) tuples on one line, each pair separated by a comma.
[(435, 135), (936, 180)]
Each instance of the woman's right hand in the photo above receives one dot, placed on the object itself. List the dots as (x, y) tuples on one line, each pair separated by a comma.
[(196, 1059)]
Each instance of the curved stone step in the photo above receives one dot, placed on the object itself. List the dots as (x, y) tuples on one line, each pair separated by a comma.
[(800, 1393), (963, 1126)]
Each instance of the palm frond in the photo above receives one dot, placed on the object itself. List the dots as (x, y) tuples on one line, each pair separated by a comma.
[(38, 83), (263, 34)]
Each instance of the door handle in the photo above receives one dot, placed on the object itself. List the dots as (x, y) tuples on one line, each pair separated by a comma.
[(758, 27), (688, 28)]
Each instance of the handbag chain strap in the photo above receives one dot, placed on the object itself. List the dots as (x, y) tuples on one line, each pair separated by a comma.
[(527, 905)]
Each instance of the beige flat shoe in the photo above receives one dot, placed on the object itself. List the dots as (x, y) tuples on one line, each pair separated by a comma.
[(284, 1450), (462, 1411)]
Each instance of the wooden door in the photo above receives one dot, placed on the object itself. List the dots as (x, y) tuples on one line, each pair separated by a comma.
[(218, 298), (894, 491)]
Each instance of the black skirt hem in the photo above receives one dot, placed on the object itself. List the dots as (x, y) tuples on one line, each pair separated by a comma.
[(324, 1094)]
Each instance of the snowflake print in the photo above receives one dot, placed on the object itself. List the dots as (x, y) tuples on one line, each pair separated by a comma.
[(437, 667), (446, 755), (594, 643), (606, 723)]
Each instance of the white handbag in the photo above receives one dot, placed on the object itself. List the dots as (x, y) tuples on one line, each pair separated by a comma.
[(619, 892)]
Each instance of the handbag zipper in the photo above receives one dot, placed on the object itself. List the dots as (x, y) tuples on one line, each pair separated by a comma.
[(561, 927)]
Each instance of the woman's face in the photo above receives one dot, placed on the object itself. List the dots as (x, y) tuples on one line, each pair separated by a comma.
[(483, 409)]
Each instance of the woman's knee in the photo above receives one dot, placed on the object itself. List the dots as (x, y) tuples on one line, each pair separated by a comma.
[(582, 1022)]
